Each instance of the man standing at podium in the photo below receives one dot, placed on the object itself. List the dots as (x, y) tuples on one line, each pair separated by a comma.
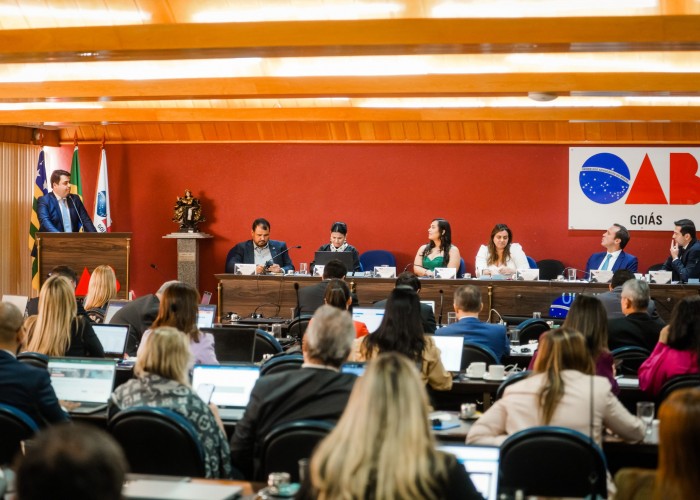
[(60, 211)]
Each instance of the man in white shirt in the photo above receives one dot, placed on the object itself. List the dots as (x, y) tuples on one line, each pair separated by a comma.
[(62, 212), (614, 240)]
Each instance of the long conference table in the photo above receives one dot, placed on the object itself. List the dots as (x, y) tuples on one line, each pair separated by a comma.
[(275, 296)]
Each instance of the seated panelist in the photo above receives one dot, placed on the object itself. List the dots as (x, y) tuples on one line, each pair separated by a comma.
[(501, 255), (614, 258), (438, 252), (267, 255), (62, 212), (339, 243)]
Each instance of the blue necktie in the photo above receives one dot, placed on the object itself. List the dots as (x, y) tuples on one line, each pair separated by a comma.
[(606, 262), (67, 226)]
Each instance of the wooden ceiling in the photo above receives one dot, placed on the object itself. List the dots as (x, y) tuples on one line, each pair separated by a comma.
[(144, 73)]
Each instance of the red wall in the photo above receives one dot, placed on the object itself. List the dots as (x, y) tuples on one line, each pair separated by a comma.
[(387, 194)]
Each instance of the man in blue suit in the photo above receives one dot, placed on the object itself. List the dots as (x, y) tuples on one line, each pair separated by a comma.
[(23, 386), (614, 240), (468, 305), (62, 212), (267, 255)]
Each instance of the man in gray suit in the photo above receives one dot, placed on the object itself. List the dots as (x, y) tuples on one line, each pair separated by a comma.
[(611, 299)]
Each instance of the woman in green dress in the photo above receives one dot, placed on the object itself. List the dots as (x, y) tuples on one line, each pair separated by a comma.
[(438, 252)]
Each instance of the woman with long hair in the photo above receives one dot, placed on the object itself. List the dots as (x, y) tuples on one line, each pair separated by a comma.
[(338, 295), (339, 243), (383, 447), (58, 330), (178, 308), (101, 289), (162, 380), (401, 331), (678, 349), (438, 252), (501, 255)]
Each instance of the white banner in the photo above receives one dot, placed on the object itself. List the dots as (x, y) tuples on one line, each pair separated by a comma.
[(644, 189), (101, 217)]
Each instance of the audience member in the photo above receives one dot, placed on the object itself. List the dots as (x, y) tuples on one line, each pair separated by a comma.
[(636, 328), (468, 305), (684, 261), (311, 297), (58, 330), (62, 212), (614, 241), (426, 311), (611, 298), (339, 243), (66, 271), (679, 454), (316, 391), (162, 381), (438, 252), (383, 446), (23, 386), (101, 289), (72, 462), (267, 255), (178, 308), (501, 255), (678, 348), (401, 331), (338, 295)]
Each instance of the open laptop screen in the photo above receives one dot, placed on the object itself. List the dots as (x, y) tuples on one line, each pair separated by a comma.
[(112, 307), (232, 383), (82, 379), (113, 338), (205, 315), (370, 316), (451, 348), (481, 463)]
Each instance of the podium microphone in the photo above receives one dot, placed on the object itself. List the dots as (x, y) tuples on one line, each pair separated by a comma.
[(159, 271), (297, 311), (271, 262), (442, 297), (70, 197)]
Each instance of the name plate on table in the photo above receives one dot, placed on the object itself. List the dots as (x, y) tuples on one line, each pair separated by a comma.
[(318, 270), (660, 277), (385, 272), (528, 274), (445, 273), (600, 276), (244, 269)]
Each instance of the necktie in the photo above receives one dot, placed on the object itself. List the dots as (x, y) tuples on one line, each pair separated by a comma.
[(67, 226), (606, 262)]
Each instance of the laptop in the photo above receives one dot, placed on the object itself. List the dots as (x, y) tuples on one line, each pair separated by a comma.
[(113, 339), (451, 348), (205, 315), (112, 307), (83, 380), (19, 301), (431, 303), (323, 258), (232, 386), (481, 463), (155, 488), (353, 367), (370, 316)]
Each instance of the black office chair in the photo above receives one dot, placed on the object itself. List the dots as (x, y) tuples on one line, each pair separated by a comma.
[(288, 443), (655, 267), (552, 462), (158, 441), (678, 382), (472, 353), (298, 326), (282, 363), (34, 358), (531, 329), (15, 427), (550, 269), (510, 380), (235, 345), (629, 358), (265, 344)]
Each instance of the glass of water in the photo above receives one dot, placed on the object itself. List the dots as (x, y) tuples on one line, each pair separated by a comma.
[(645, 411)]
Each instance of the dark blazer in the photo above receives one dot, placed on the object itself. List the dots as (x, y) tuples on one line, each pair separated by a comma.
[(83, 341), (611, 301), (307, 393), (426, 315), (624, 261), (242, 253), (489, 335), (29, 389), (50, 219), (636, 329), (311, 298), (355, 256), (139, 314), (687, 265)]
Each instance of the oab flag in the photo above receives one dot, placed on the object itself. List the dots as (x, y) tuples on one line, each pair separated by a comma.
[(40, 189), (101, 215)]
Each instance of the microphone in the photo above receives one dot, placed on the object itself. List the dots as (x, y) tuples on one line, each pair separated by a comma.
[(271, 262), (158, 269), (499, 315), (70, 198), (297, 312), (442, 296), (407, 266)]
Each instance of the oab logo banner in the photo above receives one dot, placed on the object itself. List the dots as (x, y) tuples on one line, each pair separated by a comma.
[(641, 188)]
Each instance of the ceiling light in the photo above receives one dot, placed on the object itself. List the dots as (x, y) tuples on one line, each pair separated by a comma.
[(542, 96)]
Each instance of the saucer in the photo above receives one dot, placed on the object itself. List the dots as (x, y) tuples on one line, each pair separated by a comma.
[(474, 377), (487, 376)]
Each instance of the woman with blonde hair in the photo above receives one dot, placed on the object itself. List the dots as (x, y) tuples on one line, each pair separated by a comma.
[(162, 381), (178, 308), (101, 289), (58, 330), (382, 446)]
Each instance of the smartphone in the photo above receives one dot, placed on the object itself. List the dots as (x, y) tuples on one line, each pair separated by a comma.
[(205, 392), (206, 297)]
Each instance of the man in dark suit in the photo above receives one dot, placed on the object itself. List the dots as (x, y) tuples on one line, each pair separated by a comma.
[(637, 328), (316, 391), (62, 212), (612, 299), (614, 240), (684, 260), (468, 305), (426, 311), (267, 255), (23, 386), (67, 272), (311, 297)]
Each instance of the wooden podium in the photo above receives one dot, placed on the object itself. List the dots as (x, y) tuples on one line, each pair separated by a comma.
[(85, 251)]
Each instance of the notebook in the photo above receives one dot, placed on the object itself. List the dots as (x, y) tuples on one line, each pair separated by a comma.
[(83, 380), (206, 315), (113, 339), (232, 386), (19, 301), (323, 258), (370, 316), (112, 307), (481, 463), (451, 348)]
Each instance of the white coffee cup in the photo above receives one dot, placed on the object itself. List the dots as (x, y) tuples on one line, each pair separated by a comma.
[(476, 369), (497, 372)]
